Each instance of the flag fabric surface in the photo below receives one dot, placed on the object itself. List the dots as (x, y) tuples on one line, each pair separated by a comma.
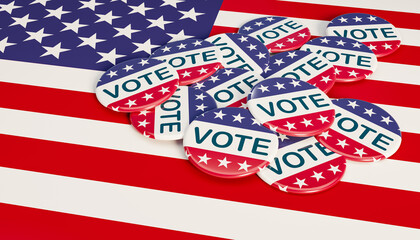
[(72, 169)]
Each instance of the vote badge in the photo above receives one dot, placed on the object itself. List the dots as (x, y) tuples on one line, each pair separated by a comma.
[(290, 106), (229, 143), (302, 65), (278, 34), (193, 59), (378, 34), (362, 131), (303, 165), (169, 120), (241, 51), (230, 86), (136, 85), (353, 60)]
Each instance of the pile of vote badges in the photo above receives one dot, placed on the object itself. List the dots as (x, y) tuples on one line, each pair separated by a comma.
[(251, 103)]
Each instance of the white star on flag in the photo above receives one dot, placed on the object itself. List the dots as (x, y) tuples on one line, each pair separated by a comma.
[(140, 9), (90, 41), (109, 17), (110, 56), (191, 14), (4, 44), (200, 97), (23, 21), (89, 4), (146, 47), (160, 23), (55, 51)]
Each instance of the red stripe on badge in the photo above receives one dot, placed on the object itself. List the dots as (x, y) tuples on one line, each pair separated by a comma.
[(325, 80), (146, 99), (305, 124), (192, 75), (348, 147), (330, 174), (286, 44)]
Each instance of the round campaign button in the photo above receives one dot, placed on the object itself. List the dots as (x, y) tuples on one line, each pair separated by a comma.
[(376, 33), (229, 143), (362, 131), (292, 107), (193, 59), (303, 165), (278, 34), (169, 120), (241, 51), (306, 66), (136, 85), (230, 86), (353, 60)]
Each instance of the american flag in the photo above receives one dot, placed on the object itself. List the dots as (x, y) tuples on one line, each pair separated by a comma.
[(72, 169)]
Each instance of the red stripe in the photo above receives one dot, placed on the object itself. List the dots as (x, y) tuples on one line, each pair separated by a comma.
[(18, 222), (317, 11), (85, 105), (58, 102), (404, 55), (360, 201)]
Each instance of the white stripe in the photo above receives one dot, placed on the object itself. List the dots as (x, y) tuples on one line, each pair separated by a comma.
[(409, 6), (126, 138), (82, 80), (181, 212), (317, 27)]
